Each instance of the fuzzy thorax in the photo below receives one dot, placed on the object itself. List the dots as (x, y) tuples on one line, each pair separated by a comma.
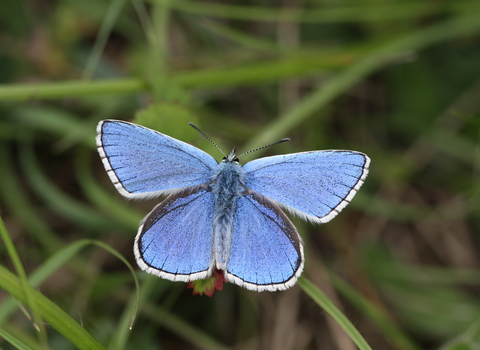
[(227, 187)]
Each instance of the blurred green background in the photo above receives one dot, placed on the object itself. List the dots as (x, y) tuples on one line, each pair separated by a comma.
[(398, 80)]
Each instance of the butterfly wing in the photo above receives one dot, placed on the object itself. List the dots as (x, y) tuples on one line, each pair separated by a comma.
[(143, 163), (175, 241), (314, 185), (266, 252)]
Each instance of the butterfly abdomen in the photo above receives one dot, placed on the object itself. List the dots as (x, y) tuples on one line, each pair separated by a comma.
[(227, 187)]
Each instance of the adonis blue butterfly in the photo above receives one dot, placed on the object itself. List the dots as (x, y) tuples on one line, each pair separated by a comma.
[(223, 215)]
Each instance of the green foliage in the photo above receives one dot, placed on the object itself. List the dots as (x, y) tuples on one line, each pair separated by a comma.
[(398, 80), (170, 119)]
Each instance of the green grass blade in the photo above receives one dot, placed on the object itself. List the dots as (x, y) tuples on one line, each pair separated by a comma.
[(60, 90), (45, 118), (376, 314), (357, 71), (418, 39), (255, 72), (132, 271), (162, 317), (124, 325), (322, 300), (159, 50), (50, 312), (145, 21), (114, 9), (332, 14), (67, 126), (56, 199), (175, 324), (240, 38), (469, 340), (315, 101), (29, 299), (37, 277), (13, 196), (54, 263), (13, 340)]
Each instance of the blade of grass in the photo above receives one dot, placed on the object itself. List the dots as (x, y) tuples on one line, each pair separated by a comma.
[(392, 332), (19, 331), (267, 71), (120, 338), (95, 11), (433, 310), (50, 312), (241, 38), (17, 343), (354, 73), (37, 277), (145, 21), (56, 199), (119, 341), (182, 328), (114, 9), (384, 267), (64, 89), (316, 100), (387, 269), (29, 299), (469, 340), (55, 262), (333, 14), (158, 51), (322, 300), (13, 196), (49, 119), (112, 251), (163, 317), (217, 77)]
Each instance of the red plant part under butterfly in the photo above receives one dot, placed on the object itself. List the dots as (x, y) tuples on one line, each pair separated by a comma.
[(207, 286)]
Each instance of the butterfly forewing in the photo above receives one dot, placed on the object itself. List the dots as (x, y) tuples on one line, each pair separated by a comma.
[(175, 240), (266, 251), (314, 185), (143, 163)]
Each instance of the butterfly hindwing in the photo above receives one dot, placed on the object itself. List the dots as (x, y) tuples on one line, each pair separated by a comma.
[(175, 241), (267, 252), (143, 163), (314, 185)]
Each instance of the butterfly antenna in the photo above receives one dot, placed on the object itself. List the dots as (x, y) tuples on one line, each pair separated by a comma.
[(208, 138), (259, 148)]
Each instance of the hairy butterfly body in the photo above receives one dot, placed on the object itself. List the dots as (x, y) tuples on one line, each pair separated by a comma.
[(222, 215)]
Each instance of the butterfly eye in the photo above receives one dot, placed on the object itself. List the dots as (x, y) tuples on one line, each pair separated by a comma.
[(226, 159)]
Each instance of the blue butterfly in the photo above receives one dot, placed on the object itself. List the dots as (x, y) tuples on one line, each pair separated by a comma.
[(222, 215)]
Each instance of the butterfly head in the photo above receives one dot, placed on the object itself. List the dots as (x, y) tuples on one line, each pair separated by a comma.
[(231, 157)]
